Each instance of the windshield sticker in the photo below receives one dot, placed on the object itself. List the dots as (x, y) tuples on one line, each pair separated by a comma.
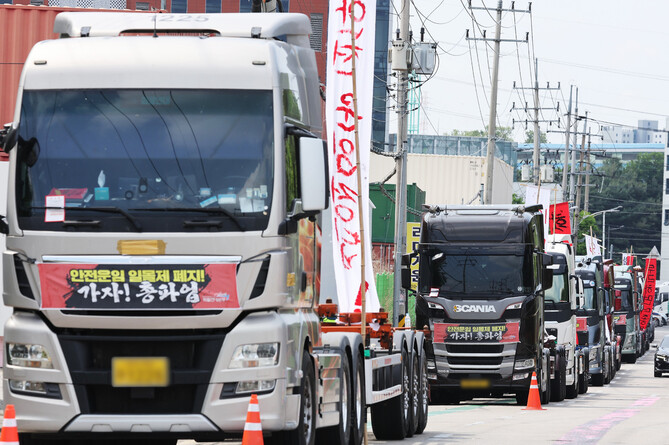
[(91, 286), (208, 201), (55, 208), (484, 333), (434, 292), (227, 199)]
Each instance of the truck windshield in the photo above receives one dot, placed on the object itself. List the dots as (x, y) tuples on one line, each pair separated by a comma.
[(590, 298), (478, 273), (560, 289), (626, 302), (172, 160)]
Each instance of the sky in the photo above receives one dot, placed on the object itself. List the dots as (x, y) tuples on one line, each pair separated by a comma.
[(615, 52)]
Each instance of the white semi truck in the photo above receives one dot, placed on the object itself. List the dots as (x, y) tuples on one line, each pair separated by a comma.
[(569, 364), (163, 242)]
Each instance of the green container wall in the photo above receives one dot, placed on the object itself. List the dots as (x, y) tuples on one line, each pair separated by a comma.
[(383, 216)]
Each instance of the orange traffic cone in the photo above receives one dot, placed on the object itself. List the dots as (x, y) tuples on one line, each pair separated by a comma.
[(534, 399), (252, 428), (9, 434)]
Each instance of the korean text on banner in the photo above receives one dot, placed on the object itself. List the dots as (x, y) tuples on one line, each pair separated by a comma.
[(340, 119), (413, 240), (559, 221), (648, 291), (592, 247)]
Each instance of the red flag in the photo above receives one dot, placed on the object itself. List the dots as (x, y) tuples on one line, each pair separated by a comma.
[(648, 292), (559, 222)]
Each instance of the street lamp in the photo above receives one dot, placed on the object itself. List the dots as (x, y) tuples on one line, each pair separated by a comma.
[(611, 246), (604, 212)]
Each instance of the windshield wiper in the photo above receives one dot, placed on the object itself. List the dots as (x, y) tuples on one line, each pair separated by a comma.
[(118, 210), (215, 210)]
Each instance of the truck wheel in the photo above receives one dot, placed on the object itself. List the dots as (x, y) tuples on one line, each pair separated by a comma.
[(305, 433), (341, 433), (559, 383), (415, 393), (545, 396), (390, 418), (359, 407), (572, 390), (584, 377), (423, 397), (597, 379)]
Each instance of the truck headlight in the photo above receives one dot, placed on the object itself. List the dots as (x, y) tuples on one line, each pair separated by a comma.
[(523, 364), (255, 355), (662, 357), (28, 356), (629, 341), (255, 386)]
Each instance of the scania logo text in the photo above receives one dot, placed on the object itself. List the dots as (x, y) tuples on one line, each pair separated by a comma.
[(474, 308)]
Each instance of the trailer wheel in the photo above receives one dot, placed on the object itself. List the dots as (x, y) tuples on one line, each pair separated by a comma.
[(423, 395), (415, 394), (559, 383), (584, 377), (305, 433), (390, 418), (359, 409), (572, 390), (341, 433)]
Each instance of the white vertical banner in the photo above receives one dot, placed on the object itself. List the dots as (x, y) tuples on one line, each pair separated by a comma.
[(537, 195), (340, 116), (592, 246)]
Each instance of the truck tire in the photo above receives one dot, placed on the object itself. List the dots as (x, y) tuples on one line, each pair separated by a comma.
[(359, 407), (415, 393), (572, 390), (341, 433), (305, 433), (545, 396), (559, 383), (584, 377), (597, 379), (423, 397), (390, 418)]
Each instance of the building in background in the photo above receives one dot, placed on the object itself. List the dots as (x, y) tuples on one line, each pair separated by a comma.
[(451, 169), (647, 132)]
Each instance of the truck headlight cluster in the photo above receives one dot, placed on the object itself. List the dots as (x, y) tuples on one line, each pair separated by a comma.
[(629, 341), (255, 355), (524, 364), (28, 356), (255, 386), (663, 357)]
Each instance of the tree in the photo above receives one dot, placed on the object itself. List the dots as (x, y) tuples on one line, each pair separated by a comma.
[(529, 137), (637, 186), (501, 133)]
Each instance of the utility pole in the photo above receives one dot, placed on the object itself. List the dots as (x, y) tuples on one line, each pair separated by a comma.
[(588, 170), (537, 135), (400, 50), (492, 120), (580, 168), (536, 155), (572, 189), (566, 149)]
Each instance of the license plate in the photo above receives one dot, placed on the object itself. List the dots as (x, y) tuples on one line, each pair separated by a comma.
[(140, 371), (474, 383)]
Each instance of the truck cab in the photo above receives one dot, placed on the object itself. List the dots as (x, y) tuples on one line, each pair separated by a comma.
[(627, 307), (482, 278), (592, 323), (561, 303), (162, 254)]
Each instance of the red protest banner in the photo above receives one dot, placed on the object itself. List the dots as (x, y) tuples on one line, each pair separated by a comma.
[(559, 221), (648, 292)]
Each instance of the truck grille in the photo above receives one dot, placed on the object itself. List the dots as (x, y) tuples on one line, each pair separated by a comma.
[(191, 356)]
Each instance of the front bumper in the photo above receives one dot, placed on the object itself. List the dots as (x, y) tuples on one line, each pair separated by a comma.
[(89, 404)]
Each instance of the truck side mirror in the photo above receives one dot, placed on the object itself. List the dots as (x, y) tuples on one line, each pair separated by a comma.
[(546, 278), (314, 174), (8, 138), (580, 298), (406, 271), (4, 227)]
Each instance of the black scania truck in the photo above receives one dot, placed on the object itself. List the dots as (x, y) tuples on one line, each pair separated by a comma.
[(481, 285)]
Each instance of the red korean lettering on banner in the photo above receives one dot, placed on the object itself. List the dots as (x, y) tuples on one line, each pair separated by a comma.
[(648, 292), (559, 222)]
